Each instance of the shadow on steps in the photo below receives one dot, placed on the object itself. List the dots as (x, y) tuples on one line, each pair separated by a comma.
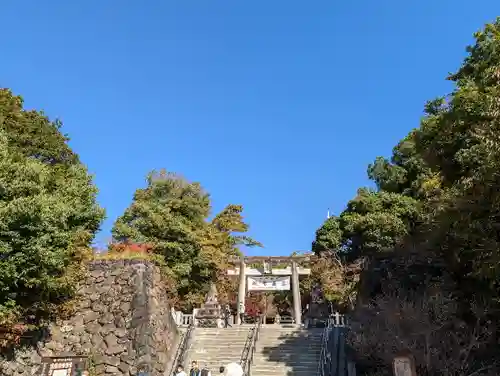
[(287, 351)]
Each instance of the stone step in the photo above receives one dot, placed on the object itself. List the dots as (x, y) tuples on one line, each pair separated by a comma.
[(215, 350), (273, 365), (292, 350), (215, 353), (217, 345), (258, 370), (277, 346), (285, 357), (217, 342), (274, 360), (286, 347), (275, 356), (220, 340), (297, 341), (217, 360), (221, 335), (286, 373), (285, 370), (222, 330), (290, 329), (280, 365), (212, 341), (291, 335), (265, 329), (290, 339), (261, 369)]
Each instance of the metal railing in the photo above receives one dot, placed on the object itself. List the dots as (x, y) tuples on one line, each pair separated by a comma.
[(249, 350), (324, 357), (248, 344), (180, 354), (333, 360)]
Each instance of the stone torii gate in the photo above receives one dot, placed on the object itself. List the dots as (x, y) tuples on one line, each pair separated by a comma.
[(293, 270)]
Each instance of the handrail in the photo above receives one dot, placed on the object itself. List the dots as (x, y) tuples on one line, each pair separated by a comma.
[(246, 348), (181, 349), (246, 362), (323, 358), (333, 360)]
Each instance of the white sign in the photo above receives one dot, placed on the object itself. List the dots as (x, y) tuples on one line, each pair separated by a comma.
[(270, 283)]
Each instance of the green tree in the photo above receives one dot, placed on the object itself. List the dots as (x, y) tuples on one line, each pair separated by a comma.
[(435, 221), (172, 215), (460, 138), (48, 218), (329, 237), (373, 222), (32, 134)]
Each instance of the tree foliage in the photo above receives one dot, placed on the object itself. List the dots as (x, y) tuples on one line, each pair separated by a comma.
[(432, 227), (32, 134), (172, 215), (48, 214)]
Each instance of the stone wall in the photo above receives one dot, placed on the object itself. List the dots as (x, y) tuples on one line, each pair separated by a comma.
[(122, 323)]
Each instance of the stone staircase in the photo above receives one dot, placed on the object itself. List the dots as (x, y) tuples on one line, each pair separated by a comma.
[(215, 347), (287, 351)]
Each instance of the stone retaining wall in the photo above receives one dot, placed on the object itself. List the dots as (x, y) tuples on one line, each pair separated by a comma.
[(122, 323)]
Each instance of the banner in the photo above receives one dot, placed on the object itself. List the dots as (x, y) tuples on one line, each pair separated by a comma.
[(268, 283)]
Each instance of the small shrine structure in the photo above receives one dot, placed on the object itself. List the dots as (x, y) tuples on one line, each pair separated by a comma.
[(210, 313), (268, 277)]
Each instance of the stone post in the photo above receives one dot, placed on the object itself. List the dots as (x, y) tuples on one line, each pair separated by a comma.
[(297, 309), (242, 289), (404, 364)]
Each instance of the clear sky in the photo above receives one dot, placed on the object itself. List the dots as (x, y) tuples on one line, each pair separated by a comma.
[(276, 105)]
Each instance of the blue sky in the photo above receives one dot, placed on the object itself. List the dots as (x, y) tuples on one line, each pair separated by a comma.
[(276, 105)]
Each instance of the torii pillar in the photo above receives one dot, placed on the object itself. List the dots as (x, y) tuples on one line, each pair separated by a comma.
[(242, 289), (297, 305)]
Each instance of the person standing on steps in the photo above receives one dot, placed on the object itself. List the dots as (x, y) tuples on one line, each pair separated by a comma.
[(227, 315), (221, 370), (241, 310), (195, 370), (180, 371), (205, 372)]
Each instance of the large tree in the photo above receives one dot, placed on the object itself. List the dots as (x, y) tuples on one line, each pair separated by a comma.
[(172, 215), (48, 214), (435, 220), (32, 134)]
